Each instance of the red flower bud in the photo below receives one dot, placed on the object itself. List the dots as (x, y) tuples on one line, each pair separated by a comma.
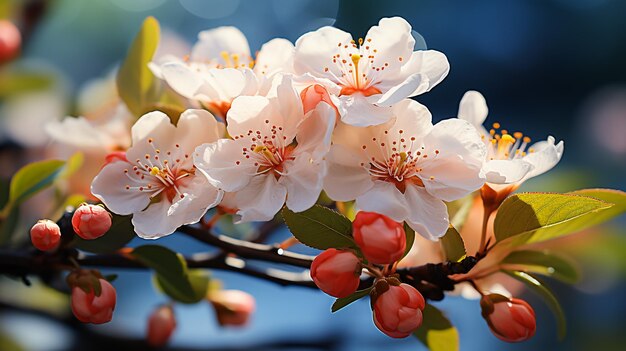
[(89, 308), (10, 41), (398, 310), (91, 221), (232, 307), (336, 272), (161, 325), (314, 94), (510, 320), (45, 235), (381, 239)]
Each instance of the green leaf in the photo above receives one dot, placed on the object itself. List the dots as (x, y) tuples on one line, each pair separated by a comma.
[(453, 245), (410, 238), (172, 274), (541, 262), (458, 210), (615, 197), (436, 332), (135, 81), (345, 301), (120, 234), (542, 290), (72, 165), (320, 227), (32, 178), (537, 217)]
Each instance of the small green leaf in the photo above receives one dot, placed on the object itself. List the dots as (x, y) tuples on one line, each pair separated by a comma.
[(120, 234), (111, 277), (458, 210), (537, 217), (32, 178), (615, 197), (345, 301), (542, 290), (410, 238), (135, 81), (453, 245), (541, 262), (72, 165), (320, 227), (436, 332), (172, 274)]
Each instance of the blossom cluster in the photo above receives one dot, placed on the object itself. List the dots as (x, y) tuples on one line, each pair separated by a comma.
[(330, 113)]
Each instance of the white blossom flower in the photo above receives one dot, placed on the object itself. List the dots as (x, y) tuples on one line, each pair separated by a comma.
[(157, 182), (406, 168), (275, 156), (510, 159), (370, 75), (221, 68)]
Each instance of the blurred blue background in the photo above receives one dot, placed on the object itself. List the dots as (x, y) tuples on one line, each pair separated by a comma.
[(552, 67)]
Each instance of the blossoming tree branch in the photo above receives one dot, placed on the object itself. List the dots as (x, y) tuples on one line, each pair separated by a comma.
[(324, 137)]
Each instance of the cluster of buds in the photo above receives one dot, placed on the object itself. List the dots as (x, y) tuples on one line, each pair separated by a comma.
[(88, 221), (397, 307), (93, 297)]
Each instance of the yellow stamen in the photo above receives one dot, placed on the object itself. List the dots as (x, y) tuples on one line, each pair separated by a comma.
[(496, 125), (155, 171), (226, 58), (262, 149), (403, 157), (355, 60), (235, 60)]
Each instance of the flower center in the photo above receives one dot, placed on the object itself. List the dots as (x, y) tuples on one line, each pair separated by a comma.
[(234, 61), (503, 146), (357, 70), (396, 160), (160, 173)]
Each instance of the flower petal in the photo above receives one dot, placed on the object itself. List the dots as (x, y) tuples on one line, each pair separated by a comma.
[(154, 223), (415, 82), (110, 187), (187, 82), (506, 171), (77, 132), (473, 108), (303, 180), (393, 44), (358, 111), (545, 155), (315, 50), (314, 133), (275, 56), (428, 215), (212, 43), (198, 197), (218, 162), (250, 113), (154, 125), (455, 158), (196, 127), (432, 64), (346, 178), (261, 199), (385, 198)]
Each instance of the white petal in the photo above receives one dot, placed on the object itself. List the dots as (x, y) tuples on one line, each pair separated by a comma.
[(473, 108), (315, 50), (218, 162), (188, 83), (231, 83), (358, 111), (456, 170), (393, 43), (110, 187), (261, 199), (155, 125), (275, 56), (250, 113), (346, 178), (196, 127), (428, 215), (385, 198), (290, 106), (77, 132), (433, 65), (314, 133), (303, 180), (413, 118), (199, 196), (545, 155), (154, 223), (397, 93), (506, 171), (212, 43)]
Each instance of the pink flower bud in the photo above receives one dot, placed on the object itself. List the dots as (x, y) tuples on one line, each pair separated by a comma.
[(381, 239), (232, 307), (45, 235), (397, 308), (161, 325), (89, 308), (313, 95), (510, 320), (10, 41), (336, 272), (91, 221)]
